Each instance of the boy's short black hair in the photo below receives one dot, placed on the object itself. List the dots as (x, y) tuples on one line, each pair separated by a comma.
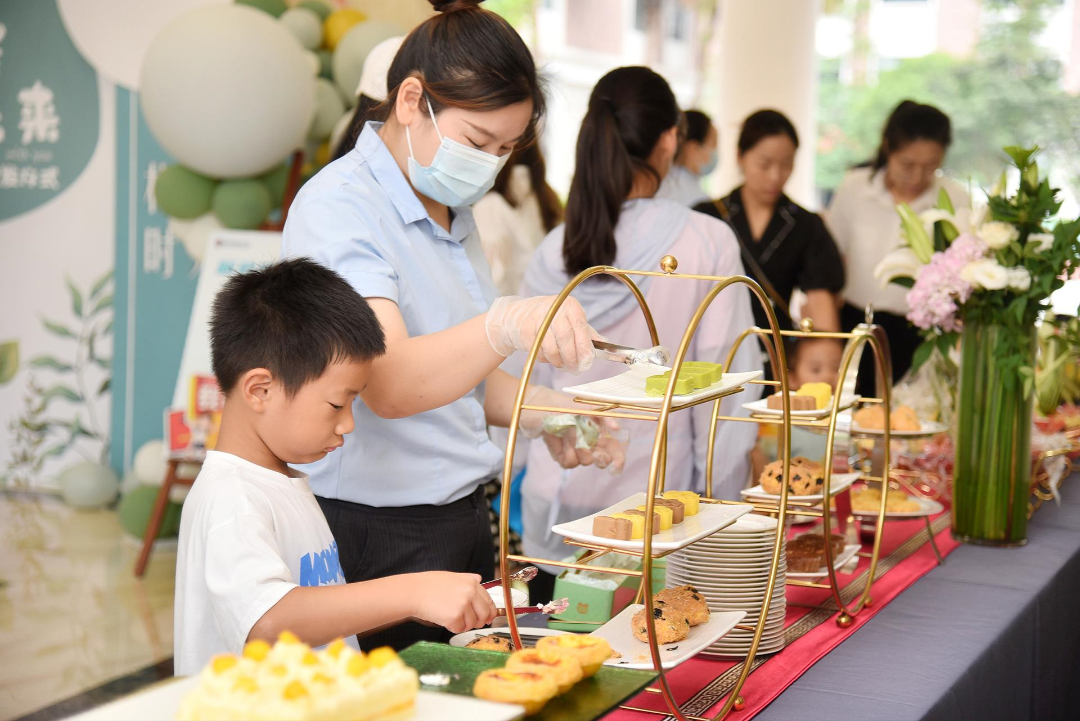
[(294, 318)]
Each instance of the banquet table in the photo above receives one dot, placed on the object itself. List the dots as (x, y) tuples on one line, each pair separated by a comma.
[(992, 634)]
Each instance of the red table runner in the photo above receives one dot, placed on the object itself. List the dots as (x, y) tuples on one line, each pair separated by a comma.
[(701, 684)]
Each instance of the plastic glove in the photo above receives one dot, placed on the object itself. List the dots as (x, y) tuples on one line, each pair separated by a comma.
[(512, 324), (573, 440)]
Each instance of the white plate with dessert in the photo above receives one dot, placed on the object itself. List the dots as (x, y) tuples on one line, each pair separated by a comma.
[(840, 482), (865, 503), (903, 422), (620, 633), (629, 387), (812, 403), (622, 525)]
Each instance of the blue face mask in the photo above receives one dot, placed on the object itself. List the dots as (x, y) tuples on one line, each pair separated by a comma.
[(458, 175), (710, 164)]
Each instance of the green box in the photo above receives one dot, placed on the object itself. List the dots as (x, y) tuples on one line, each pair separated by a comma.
[(586, 604), (659, 577)]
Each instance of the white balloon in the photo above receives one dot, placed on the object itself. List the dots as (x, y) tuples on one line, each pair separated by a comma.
[(227, 91), (149, 464), (304, 25), (349, 55), (114, 36), (194, 234), (328, 109), (88, 485), (313, 62)]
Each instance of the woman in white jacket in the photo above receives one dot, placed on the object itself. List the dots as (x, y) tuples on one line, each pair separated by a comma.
[(625, 148)]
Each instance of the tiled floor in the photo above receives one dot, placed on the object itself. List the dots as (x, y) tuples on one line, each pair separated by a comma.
[(72, 614)]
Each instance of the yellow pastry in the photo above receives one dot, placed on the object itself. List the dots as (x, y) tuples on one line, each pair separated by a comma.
[(564, 670), (637, 524), (820, 392), (590, 651), (687, 600), (689, 499), (531, 690), (665, 513)]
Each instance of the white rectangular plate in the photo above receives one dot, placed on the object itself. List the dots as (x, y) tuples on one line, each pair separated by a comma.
[(928, 507), (929, 428), (840, 482), (761, 408), (629, 387), (846, 555), (709, 519), (161, 702), (635, 653)]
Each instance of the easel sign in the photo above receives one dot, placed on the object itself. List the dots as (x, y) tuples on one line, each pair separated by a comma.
[(227, 252)]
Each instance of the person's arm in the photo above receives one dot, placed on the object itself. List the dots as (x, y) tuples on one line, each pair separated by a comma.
[(420, 373), (821, 305), (319, 614)]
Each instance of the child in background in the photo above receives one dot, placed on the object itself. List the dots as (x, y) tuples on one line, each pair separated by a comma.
[(292, 346), (809, 361)]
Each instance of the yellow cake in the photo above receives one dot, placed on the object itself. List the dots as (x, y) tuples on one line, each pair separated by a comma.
[(820, 392), (665, 513), (291, 681), (637, 524), (689, 500)]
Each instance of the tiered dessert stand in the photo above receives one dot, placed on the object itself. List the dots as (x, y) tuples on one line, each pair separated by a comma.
[(773, 340)]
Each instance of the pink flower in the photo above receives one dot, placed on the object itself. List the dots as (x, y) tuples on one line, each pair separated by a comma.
[(933, 300)]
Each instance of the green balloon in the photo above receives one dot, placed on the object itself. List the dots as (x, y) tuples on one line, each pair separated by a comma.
[(136, 508), (318, 7), (242, 204), (274, 7), (275, 182), (326, 69), (183, 193)]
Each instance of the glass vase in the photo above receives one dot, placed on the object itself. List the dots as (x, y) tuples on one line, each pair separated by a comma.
[(992, 475)]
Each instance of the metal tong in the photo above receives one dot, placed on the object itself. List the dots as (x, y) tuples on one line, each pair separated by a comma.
[(657, 355)]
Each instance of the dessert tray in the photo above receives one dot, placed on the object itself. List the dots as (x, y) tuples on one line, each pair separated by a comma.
[(629, 388), (635, 654), (761, 408), (840, 482)]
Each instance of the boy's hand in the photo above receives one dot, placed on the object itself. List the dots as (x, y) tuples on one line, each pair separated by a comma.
[(455, 601)]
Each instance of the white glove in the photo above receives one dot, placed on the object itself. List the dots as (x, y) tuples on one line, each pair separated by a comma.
[(512, 324), (573, 440)]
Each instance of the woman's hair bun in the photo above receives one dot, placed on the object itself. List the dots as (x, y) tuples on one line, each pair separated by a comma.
[(449, 6)]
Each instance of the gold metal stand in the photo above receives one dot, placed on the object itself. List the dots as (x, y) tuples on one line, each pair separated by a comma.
[(657, 468)]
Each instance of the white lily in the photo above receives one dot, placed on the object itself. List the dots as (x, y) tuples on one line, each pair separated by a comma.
[(998, 235), (933, 215), (1041, 242), (1019, 279), (900, 263)]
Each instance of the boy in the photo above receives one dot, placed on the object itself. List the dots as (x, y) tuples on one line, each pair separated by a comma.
[(291, 346)]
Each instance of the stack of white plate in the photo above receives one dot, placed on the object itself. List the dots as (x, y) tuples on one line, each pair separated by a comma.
[(731, 570)]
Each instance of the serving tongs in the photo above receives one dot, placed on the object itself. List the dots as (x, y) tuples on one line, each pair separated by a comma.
[(657, 355)]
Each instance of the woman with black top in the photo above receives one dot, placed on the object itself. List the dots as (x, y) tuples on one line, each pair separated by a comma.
[(780, 240)]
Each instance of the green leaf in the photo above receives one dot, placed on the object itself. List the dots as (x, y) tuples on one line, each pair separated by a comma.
[(905, 282), (76, 298), (100, 283), (105, 301), (107, 328), (57, 450), (944, 202), (1021, 156), (59, 391), (9, 360), (45, 361), (33, 426), (915, 233), (104, 363), (77, 429), (948, 230), (57, 329), (922, 354), (106, 384)]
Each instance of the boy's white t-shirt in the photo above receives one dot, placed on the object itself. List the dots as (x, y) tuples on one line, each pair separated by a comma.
[(248, 536)]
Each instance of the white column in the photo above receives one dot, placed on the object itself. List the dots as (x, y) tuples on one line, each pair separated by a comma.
[(767, 60)]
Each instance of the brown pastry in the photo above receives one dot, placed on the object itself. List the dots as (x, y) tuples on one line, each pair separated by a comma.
[(807, 477), (671, 624), (798, 403), (531, 690), (491, 643), (806, 553), (678, 509), (656, 518), (688, 600), (904, 418), (872, 418), (618, 528)]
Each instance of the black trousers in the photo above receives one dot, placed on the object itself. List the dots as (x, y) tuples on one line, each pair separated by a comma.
[(903, 339), (377, 542)]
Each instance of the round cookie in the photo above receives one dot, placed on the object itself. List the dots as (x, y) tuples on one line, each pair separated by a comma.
[(590, 651), (491, 643), (531, 690), (564, 670), (688, 600), (806, 477), (671, 624)]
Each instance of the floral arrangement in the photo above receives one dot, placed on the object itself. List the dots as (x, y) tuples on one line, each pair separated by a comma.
[(995, 265)]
